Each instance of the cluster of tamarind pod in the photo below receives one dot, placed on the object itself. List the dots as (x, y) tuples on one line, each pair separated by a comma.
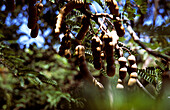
[(102, 47), (124, 68), (34, 11)]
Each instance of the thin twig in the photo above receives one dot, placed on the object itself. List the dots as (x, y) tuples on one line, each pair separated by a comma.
[(144, 89), (109, 22), (100, 28), (94, 8)]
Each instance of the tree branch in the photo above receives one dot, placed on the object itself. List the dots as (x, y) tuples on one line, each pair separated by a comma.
[(149, 50), (144, 89)]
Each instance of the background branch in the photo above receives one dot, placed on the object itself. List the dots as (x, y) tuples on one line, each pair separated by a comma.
[(149, 50)]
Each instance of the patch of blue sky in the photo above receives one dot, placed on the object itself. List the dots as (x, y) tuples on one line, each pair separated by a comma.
[(26, 39), (144, 38), (57, 47), (97, 6), (3, 8), (25, 7), (159, 20), (47, 32), (8, 20)]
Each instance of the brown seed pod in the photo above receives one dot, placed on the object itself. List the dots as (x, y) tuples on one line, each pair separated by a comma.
[(39, 8), (61, 51), (132, 80), (80, 51), (32, 20), (34, 32), (66, 41), (119, 28), (103, 56), (67, 53), (133, 75), (96, 51), (63, 12), (133, 68), (10, 6), (131, 59), (109, 46), (122, 61), (122, 72), (113, 7), (110, 66), (84, 28), (119, 84)]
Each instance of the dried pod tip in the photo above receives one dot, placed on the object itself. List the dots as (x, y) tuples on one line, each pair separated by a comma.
[(119, 84), (131, 81), (133, 75)]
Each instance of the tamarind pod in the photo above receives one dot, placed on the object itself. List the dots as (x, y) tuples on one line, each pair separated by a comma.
[(32, 2), (63, 12), (119, 84), (131, 59), (110, 66), (97, 59), (133, 68), (96, 51), (97, 64), (133, 75), (84, 28), (132, 80), (61, 51), (109, 49), (107, 39), (67, 53), (32, 20), (80, 51), (96, 42), (34, 32), (39, 8), (108, 45), (103, 56), (119, 28), (10, 5), (122, 61), (66, 44), (122, 72), (113, 7)]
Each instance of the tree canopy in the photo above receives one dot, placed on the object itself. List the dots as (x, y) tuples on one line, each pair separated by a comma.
[(84, 54)]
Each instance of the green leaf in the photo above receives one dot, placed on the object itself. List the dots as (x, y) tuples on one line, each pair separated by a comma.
[(53, 1)]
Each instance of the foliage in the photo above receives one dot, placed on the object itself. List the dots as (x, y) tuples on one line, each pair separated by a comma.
[(37, 77)]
